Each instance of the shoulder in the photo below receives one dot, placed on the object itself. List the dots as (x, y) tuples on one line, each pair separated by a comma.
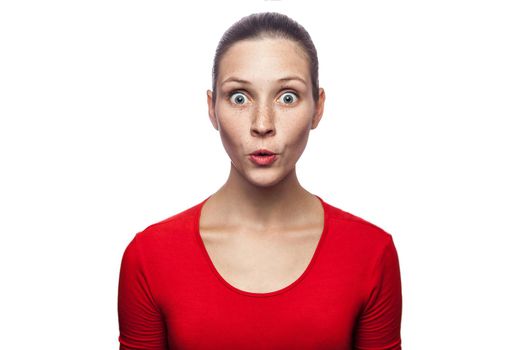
[(357, 231), (163, 234)]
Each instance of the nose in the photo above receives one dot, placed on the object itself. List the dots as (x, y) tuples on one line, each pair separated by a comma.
[(263, 122)]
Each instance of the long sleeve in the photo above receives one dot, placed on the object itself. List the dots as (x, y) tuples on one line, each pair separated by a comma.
[(140, 321), (379, 326)]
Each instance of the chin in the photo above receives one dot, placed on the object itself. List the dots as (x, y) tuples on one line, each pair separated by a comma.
[(269, 179)]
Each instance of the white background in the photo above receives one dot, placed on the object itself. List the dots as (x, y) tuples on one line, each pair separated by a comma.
[(104, 131)]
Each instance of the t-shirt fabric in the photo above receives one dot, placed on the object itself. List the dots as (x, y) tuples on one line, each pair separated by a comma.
[(170, 295)]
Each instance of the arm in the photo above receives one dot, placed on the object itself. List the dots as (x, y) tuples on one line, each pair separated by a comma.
[(140, 321), (379, 326)]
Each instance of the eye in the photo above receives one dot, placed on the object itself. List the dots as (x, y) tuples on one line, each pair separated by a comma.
[(238, 98), (288, 98)]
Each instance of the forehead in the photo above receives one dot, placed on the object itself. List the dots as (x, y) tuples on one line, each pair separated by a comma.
[(267, 59)]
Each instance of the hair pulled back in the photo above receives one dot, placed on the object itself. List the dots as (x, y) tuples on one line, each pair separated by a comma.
[(268, 25)]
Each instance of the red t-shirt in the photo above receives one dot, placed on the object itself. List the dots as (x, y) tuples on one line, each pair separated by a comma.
[(171, 296)]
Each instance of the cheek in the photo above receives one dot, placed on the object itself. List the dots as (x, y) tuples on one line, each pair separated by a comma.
[(231, 129), (298, 130), (300, 137), (296, 140)]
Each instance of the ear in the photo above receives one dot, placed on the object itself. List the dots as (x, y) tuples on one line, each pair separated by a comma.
[(211, 110), (319, 109)]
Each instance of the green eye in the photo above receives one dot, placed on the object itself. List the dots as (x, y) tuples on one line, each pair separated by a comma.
[(288, 98), (238, 98)]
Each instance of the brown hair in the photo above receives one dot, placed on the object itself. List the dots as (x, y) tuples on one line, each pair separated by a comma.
[(271, 25)]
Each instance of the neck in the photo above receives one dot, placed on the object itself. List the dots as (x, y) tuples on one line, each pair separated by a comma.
[(265, 206)]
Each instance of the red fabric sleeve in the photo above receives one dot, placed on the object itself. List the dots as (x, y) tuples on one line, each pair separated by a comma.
[(379, 326), (140, 321)]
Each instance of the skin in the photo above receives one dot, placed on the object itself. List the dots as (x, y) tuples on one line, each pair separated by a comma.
[(261, 227)]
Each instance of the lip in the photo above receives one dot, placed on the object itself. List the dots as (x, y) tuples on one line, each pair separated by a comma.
[(262, 150), (263, 160)]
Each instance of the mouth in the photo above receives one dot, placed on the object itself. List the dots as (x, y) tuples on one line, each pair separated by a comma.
[(263, 157), (262, 153)]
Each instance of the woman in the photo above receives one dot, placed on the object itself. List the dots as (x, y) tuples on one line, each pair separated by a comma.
[(262, 263)]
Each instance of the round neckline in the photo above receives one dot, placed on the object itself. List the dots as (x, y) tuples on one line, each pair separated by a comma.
[(214, 270)]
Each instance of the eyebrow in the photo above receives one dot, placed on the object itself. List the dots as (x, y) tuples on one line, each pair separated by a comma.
[(238, 80)]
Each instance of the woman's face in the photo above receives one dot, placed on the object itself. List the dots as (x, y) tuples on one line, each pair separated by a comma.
[(264, 101)]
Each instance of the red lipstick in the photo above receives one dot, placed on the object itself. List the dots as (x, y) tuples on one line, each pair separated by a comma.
[(263, 157)]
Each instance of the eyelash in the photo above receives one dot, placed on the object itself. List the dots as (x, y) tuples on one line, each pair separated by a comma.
[(231, 93)]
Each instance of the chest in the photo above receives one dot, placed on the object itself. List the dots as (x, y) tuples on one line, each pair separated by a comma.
[(262, 263)]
